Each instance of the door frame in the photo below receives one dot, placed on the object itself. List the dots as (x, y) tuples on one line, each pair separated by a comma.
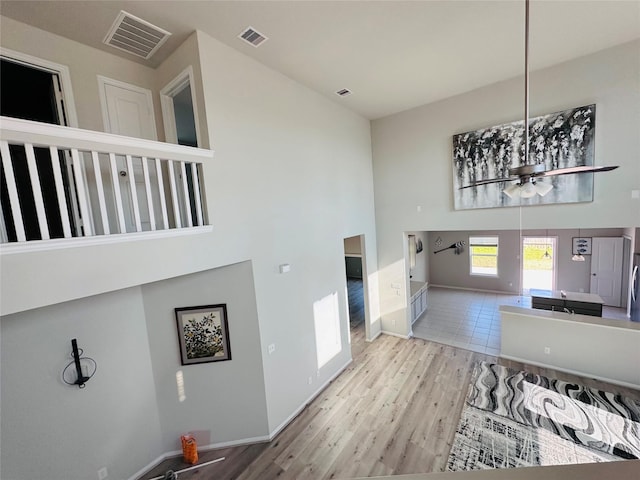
[(67, 97), (56, 68), (167, 93), (102, 84), (554, 278)]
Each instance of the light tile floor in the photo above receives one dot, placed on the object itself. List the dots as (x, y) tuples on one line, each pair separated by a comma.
[(471, 320)]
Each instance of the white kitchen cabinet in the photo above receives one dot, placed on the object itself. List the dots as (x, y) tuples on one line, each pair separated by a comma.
[(418, 302)]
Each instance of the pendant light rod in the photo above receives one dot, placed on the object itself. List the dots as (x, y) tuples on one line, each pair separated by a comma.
[(526, 82)]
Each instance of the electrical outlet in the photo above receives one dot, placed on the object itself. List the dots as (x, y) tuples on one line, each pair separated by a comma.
[(547, 351), (272, 348), (102, 473)]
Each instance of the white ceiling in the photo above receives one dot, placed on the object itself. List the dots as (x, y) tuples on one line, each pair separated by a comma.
[(393, 55)]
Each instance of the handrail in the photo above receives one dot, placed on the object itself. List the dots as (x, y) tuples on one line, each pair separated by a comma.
[(65, 182), (45, 134)]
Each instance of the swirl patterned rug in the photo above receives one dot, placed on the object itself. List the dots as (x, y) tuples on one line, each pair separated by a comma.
[(518, 419)]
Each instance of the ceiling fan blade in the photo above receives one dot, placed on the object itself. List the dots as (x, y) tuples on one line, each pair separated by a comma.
[(572, 170), (491, 180)]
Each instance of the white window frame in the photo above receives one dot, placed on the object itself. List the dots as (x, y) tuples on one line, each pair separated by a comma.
[(484, 240)]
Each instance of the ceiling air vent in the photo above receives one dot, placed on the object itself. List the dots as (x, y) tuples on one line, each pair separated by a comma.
[(135, 36), (344, 92), (253, 37)]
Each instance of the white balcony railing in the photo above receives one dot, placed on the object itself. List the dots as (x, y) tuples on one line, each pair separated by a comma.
[(60, 182)]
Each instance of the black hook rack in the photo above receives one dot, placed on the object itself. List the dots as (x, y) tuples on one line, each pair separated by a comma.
[(81, 379)]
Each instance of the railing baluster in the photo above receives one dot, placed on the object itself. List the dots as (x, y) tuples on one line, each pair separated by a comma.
[(100, 187), (134, 195), (62, 198), (122, 224), (196, 192), (163, 201), (174, 195), (12, 190), (180, 203), (4, 236), (78, 173), (185, 187), (147, 185), (37, 191)]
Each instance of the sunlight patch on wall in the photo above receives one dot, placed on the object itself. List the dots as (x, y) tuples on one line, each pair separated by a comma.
[(373, 289), (327, 325), (180, 384)]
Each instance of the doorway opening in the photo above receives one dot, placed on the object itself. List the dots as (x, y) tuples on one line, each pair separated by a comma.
[(31, 92), (539, 264), (357, 288), (179, 112)]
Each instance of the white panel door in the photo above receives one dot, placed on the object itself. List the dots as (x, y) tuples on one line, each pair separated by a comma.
[(128, 110), (606, 269)]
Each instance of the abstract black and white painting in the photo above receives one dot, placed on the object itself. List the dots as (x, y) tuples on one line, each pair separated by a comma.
[(557, 140)]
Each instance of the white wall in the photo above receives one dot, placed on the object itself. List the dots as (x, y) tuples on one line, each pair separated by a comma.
[(413, 160), (291, 178), (224, 401), (60, 432), (588, 346), (186, 55), (84, 63), (451, 270), (352, 246)]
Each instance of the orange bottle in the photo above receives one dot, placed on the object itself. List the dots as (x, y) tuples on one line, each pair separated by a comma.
[(189, 448)]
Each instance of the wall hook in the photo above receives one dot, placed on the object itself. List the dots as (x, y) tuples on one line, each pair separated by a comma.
[(76, 354)]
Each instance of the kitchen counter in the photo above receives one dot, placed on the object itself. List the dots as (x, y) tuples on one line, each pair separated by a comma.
[(573, 302)]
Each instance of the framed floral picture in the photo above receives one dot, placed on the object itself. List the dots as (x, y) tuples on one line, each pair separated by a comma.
[(203, 334)]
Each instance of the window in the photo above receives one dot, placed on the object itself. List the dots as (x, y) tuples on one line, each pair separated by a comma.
[(483, 256)]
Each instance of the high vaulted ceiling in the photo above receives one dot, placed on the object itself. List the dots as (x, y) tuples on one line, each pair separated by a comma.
[(393, 55)]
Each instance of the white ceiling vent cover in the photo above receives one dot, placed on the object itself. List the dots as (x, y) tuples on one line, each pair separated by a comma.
[(136, 36), (253, 37), (344, 92)]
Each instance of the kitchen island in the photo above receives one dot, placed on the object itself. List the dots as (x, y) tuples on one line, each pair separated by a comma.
[(569, 302)]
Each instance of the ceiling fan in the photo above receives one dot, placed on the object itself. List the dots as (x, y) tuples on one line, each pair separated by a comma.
[(526, 176)]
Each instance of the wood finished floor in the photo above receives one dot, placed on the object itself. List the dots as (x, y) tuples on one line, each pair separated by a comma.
[(394, 410), (355, 297)]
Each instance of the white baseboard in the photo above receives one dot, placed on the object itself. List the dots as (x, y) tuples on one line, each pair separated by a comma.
[(290, 418), (204, 448), (573, 372), (375, 336), (148, 467), (245, 441), (394, 334)]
